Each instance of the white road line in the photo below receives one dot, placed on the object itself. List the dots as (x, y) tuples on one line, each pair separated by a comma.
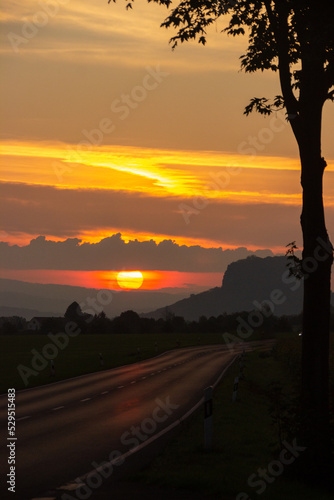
[(120, 387), (58, 408), (83, 400), (104, 392), (133, 381), (152, 374), (143, 378), (23, 418)]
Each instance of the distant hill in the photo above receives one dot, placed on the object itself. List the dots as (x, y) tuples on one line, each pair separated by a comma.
[(23, 313), (246, 284), (24, 299)]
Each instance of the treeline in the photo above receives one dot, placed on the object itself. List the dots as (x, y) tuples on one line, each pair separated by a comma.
[(130, 322), (262, 323)]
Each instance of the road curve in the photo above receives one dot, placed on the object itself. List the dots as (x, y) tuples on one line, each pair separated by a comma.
[(64, 428)]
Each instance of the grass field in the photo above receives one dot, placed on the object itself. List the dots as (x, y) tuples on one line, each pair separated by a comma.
[(81, 355)]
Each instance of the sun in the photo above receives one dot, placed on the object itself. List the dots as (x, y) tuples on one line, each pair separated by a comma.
[(130, 280)]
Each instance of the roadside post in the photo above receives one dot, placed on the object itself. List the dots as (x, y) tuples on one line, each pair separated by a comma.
[(235, 389), (208, 419), (101, 359), (241, 367)]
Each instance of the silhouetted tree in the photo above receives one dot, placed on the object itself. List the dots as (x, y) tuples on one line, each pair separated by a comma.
[(127, 322), (100, 324), (294, 38), (73, 312)]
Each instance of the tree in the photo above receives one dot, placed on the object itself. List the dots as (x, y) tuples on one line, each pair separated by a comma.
[(73, 312), (127, 322), (295, 39)]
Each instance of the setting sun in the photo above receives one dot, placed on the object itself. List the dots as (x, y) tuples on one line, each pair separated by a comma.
[(130, 279)]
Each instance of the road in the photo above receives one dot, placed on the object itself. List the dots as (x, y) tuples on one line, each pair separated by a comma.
[(65, 429)]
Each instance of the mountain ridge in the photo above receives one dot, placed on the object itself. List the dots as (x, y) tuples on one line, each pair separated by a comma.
[(53, 299), (248, 284)]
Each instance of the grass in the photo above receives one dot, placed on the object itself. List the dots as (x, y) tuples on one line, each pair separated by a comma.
[(245, 439), (81, 355)]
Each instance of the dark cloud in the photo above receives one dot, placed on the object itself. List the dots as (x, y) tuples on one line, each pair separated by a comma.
[(66, 213), (113, 253)]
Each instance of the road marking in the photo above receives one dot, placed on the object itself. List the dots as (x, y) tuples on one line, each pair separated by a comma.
[(69, 487), (152, 374), (58, 408), (105, 392), (120, 387), (83, 400), (44, 498), (143, 378), (23, 418), (133, 381)]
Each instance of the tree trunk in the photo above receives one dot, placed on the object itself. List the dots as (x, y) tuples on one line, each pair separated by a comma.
[(317, 261), (305, 115)]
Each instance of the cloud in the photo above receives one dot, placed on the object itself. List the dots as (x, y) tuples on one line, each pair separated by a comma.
[(99, 33), (214, 175), (64, 213), (66, 76), (113, 254)]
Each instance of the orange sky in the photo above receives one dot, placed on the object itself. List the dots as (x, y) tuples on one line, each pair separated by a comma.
[(152, 280), (104, 129)]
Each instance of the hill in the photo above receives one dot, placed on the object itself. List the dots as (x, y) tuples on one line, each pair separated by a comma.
[(34, 299), (248, 284)]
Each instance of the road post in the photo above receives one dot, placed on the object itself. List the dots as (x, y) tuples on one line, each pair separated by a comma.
[(235, 389), (208, 419)]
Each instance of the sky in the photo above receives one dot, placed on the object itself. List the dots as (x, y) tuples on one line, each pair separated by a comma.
[(106, 131)]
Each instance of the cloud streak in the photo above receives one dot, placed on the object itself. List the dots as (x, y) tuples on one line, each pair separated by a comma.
[(63, 213), (98, 33), (209, 174)]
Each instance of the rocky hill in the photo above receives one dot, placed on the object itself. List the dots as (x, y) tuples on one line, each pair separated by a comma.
[(248, 284)]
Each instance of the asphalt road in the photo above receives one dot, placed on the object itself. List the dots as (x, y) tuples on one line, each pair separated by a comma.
[(68, 428)]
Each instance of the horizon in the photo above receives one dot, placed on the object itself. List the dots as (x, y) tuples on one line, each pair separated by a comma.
[(155, 268)]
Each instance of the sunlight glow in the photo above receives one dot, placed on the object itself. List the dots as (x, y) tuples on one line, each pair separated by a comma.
[(153, 172)]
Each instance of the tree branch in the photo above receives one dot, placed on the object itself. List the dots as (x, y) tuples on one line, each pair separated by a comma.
[(280, 29)]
